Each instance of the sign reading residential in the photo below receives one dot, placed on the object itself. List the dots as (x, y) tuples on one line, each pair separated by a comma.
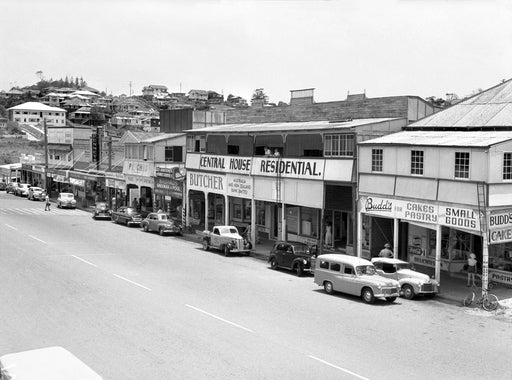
[(289, 167)]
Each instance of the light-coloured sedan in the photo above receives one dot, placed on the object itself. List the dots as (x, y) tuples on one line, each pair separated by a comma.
[(36, 193), (411, 282), (66, 200), (159, 222)]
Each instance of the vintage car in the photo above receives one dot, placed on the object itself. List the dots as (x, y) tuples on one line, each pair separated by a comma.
[(292, 255), (11, 187), (126, 215), (49, 363), (66, 200), (101, 211), (22, 190), (160, 222), (226, 239), (36, 193), (411, 282), (354, 275)]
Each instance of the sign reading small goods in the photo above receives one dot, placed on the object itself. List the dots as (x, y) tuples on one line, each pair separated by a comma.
[(421, 212), (500, 227)]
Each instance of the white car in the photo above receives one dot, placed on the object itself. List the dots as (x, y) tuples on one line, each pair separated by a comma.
[(411, 282), (66, 200)]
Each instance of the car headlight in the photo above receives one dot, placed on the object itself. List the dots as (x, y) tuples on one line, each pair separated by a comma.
[(379, 286), (304, 261)]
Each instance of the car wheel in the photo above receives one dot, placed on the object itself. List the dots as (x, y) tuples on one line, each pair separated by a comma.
[(273, 263), (205, 244), (408, 292), (59, 205), (226, 251), (299, 270), (161, 231), (367, 295), (146, 229), (390, 299), (328, 287)]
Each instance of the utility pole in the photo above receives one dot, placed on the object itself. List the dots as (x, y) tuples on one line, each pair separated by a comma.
[(45, 156), (130, 88)]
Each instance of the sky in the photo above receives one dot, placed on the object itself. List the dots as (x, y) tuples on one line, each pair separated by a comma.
[(380, 47)]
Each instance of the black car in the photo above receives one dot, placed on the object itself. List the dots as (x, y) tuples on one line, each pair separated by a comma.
[(293, 255), (101, 211), (126, 215)]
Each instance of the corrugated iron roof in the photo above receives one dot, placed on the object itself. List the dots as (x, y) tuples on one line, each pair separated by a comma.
[(163, 136), (443, 138), (488, 109), (289, 126), (35, 106)]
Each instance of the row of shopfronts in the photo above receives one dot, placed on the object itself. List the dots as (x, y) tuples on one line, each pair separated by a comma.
[(438, 235)]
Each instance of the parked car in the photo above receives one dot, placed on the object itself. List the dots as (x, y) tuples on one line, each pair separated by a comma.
[(159, 222), (292, 255), (11, 187), (101, 211), (22, 190), (411, 282), (354, 275), (47, 363), (66, 200), (126, 215), (3, 185), (36, 193), (226, 239)]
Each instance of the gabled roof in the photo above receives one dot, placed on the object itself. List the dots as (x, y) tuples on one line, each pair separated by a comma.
[(491, 108), (35, 106), (468, 139), (162, 136)]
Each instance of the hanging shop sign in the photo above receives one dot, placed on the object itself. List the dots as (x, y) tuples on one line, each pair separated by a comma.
[(175, 172), (77, 182), (500, 276), (214, 183), (239, 186), (500, 227), (168, 186)]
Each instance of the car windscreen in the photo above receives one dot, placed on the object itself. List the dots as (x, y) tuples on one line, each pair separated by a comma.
[(162, 216), (301, 249), (365, 269), (70, 196), (36, 189)]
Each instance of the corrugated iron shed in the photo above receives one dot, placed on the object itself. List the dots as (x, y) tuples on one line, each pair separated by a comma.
[(443, 138), (490, 109)]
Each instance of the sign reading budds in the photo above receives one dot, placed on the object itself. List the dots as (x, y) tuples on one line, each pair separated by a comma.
[(500, 227)]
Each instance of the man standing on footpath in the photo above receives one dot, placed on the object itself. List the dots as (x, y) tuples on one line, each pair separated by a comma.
[(47, 200), (386, 251)]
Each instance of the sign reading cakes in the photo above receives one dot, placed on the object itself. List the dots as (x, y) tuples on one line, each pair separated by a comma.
[(239, 186), (213, 183), (500, 227)]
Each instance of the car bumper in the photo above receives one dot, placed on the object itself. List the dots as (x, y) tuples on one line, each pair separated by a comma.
[(102, 215), (68, 205), (387, 292)]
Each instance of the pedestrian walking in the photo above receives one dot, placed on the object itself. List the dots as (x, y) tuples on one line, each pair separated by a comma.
[(386, 251), (47, 203), (471, 269)]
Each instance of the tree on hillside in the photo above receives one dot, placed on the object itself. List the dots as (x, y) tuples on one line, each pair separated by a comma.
[(259, 97)]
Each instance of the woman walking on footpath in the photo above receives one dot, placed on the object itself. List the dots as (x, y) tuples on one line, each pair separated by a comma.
[(47, 200)]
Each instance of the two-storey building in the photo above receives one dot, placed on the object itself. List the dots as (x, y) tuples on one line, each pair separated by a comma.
[(443, 188)]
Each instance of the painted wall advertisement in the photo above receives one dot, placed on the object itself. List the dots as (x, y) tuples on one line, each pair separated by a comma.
[(500, 227), (455, 217), (239, 186)]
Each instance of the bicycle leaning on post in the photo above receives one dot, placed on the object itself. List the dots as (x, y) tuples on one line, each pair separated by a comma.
[(487, 301)]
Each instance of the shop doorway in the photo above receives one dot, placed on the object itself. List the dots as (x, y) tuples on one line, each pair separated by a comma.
[(277, 212)]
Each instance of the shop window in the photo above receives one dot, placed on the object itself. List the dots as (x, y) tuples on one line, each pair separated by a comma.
[(260, 214), (462, 165), (309, 221), (237, 211), (341, 145), (507, 166), (292, 220), (417, 162), (377, 159)]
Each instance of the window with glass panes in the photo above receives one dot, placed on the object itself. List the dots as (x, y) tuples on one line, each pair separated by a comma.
[(377, 157), (417, 162), (507, 166), (341, 145), (461, 164)]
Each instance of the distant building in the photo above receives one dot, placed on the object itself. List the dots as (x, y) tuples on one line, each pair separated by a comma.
[(198, 95), (33, 113), (154, 90)]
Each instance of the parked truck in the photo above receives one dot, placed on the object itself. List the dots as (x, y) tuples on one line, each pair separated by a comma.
[(226, 239)]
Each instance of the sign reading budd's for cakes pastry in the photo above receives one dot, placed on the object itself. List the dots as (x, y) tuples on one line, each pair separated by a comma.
[(500, 227)]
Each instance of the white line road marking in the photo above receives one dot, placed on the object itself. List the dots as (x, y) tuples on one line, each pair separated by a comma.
[(33, 237), (85, 261), (341, 369), (14, 228), (131, 282), (219, 318)]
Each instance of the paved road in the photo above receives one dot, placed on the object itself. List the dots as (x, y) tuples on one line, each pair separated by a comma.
[(134, 305)]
